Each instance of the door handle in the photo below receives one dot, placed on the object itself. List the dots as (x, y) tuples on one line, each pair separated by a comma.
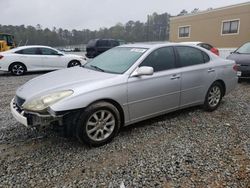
[(210, 70), (175, 77)]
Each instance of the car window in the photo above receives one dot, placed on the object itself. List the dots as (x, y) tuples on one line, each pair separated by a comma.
[(47, 51), (117, 60), (29, 51), (205, 57), (160, 59), (191, 56), (244, 49)]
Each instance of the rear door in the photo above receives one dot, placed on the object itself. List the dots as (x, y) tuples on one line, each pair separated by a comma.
[(197, 74), (31, 57), (158, 93)]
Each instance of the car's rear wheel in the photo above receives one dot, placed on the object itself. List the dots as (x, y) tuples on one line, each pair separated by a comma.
[(213, 97), (17, 69), (74, 63), (98, 124)]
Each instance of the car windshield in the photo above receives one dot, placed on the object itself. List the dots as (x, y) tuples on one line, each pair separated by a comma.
[(244, 49), (117, 60)]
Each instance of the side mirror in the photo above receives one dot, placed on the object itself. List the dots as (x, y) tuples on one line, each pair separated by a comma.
[(143, 71)]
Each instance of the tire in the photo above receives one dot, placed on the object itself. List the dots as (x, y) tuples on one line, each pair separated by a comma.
[(98, 124), (74, 63), (213, 97), (18, 69)]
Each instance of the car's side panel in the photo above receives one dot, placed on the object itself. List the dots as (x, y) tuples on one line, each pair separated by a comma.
[(151, 95), (194, 83), (32, 62), (53, 62)]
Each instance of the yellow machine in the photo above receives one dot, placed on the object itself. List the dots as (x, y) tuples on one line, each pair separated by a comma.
[(6, 42)]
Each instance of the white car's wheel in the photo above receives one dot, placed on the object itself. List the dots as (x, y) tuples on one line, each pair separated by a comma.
[(74, 63), (18, 69)]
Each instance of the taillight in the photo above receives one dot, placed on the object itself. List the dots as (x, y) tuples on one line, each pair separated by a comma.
[(215, 51), (236, 67), (1, 57)]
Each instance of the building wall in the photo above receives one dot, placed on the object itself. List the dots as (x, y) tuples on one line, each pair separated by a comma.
[(206, 26)]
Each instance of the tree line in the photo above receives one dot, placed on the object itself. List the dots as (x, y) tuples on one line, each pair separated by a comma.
[(156, 28)]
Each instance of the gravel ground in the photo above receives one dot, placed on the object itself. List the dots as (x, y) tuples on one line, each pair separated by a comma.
[(188, 148)]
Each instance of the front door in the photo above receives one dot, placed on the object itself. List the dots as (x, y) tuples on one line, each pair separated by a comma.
[(152, 95), (51, 59)]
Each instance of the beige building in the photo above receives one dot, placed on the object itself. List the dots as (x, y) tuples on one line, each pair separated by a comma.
[(226, 27)]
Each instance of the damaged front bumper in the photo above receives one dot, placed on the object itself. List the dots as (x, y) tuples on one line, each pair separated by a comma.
[(32, 119)]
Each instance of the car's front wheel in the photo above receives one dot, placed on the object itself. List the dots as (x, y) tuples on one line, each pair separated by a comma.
[(213, 97), (74, 63), (98, 124), (17, 69)]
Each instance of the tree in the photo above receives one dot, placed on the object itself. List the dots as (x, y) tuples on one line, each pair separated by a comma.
[(183, 12)]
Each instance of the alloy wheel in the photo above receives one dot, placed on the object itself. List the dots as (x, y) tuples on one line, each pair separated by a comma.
[(100, 125), (214, 96), (18, 69)]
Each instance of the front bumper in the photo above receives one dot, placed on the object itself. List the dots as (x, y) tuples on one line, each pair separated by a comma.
[(18, 115), (30, 119)]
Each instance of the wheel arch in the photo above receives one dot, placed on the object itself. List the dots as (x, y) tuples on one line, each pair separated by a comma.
[(222, 83), (72, 60), (116, 104), (9, 68)]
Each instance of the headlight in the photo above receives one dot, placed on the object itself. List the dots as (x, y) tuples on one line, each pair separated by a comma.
[(43, 102)]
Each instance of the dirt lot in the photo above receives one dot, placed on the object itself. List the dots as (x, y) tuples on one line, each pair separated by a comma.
[(188, 148)]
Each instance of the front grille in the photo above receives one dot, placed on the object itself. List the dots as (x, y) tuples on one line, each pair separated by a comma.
[(19, 101)]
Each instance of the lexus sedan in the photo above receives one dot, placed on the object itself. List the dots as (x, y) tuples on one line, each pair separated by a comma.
[(24, 59), (242, 57), (124, 85), (205, 46)]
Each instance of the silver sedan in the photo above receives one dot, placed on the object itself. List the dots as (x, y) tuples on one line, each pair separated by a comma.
[(122, 86)]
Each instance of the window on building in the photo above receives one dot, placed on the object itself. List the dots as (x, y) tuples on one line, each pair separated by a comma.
[(230, 27), (184, 31)]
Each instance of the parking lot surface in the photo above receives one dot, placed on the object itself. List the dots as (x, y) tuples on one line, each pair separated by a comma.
[(187, 148)]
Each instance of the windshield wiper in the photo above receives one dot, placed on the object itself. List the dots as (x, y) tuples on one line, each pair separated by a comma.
[(97, 68)]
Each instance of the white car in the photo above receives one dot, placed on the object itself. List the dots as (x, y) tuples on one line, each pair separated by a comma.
[(37, 58)]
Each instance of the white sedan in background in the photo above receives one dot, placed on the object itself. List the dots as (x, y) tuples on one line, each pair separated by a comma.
[(37, 58)]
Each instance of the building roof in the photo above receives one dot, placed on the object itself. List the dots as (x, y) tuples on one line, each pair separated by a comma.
[(209, 11)]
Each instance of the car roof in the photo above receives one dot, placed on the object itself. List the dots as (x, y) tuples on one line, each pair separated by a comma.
[(28, 46), (32, 46), (151, 45), (148, 45)]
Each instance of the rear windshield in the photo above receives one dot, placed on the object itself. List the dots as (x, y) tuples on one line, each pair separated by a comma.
[(117, 60)]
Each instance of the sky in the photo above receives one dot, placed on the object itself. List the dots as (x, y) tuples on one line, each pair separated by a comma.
[(94, 14)]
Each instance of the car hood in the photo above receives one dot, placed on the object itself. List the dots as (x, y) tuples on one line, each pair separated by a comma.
[(76, 78), (242, 59)]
